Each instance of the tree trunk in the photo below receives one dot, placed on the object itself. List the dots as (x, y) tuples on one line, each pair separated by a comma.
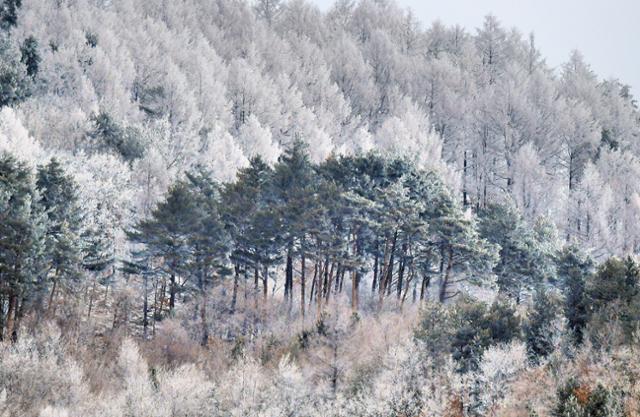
[(244, 286), (401, 269), (382, 276), (387, 271), (375, 271), (313, 282), (172, 293), (447, 276), (355, 283), (12, 331), (155, 307), (406, 287), (389, 279), (322, 287), (302, 284), (288, 281), (234, 294), (1, 317), (91, 296), (203, 309), (265, 283), (465, 200), (52, 296), (145, 306), (255, 279), (425, 285), (329, 281)]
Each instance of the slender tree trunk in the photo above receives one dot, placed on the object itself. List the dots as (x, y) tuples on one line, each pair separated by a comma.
[(145, 306), (203, 308), (12, 331), (265, 283), (406, 288), (355, 295), (1, 317), (246, 278), (445, 279), (314, 282), (322, 284), (155, 307), (386, 275), (302, 283), (465, 199), (91, 296), (338, 275), (328, 281), (22, 305), (172, 293), (255, 279), (382, 290), (400, 282), (288, 282), (52, 296), (234, 294), (425, 285), (401, 269), (375, 271), (389, 278)]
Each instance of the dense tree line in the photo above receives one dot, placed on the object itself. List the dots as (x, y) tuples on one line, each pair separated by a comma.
[(334, 224), (349, 227)]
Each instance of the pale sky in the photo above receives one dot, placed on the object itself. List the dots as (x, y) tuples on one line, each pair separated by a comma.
[(607, 32)]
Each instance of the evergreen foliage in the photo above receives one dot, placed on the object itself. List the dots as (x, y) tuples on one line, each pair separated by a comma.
[(539, 330)]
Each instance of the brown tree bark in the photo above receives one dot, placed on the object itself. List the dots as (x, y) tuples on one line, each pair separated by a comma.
[(355, 296), (11, 327)]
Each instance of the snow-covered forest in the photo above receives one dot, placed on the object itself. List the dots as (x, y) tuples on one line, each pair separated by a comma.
[(255, 208)]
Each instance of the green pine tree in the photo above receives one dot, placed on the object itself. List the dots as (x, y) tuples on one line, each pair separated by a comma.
[(166, 236), (538, 329), (59, 198), (14, 81), (30, 56), (573, 269), (23, 226)]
